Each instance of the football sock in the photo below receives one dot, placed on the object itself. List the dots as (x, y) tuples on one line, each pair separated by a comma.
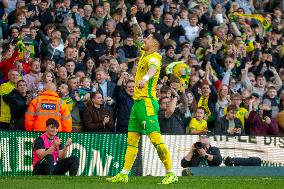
[(162, 150), (131, 151)]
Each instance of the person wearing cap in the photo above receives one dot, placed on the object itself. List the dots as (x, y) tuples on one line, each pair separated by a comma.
[(144, 114), (96, 46), (49, 153), (48, 105)]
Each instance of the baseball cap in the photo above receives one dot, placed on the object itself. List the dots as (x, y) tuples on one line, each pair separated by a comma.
[(53, 122)]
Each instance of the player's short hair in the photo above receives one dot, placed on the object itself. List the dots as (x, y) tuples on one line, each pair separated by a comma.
[(159, 38)]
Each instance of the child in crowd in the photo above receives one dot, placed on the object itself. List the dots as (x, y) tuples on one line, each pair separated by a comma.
[(198, 125), (85, 90)]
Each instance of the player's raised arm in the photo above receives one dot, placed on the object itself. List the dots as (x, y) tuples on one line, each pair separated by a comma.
[(136, 30)]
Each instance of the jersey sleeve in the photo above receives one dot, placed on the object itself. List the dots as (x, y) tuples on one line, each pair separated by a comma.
[(39, 144), (153, 61)]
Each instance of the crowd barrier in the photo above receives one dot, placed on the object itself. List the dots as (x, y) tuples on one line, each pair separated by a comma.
[(99, 154), (103, 154)]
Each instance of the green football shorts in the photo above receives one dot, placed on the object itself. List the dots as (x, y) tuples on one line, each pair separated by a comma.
[(144, 117)]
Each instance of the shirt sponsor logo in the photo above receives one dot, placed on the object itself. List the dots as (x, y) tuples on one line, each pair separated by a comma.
[(48, 106)]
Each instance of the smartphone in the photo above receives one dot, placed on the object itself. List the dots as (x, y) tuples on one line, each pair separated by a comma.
[(267, 113)]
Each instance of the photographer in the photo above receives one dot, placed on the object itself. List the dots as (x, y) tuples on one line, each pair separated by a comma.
[(202, 154)]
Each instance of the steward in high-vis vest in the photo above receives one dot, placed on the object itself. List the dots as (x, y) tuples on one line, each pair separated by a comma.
[(48, 105), (49, 153)]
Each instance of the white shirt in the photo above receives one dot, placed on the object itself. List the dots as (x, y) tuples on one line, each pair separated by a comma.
[(191, 32)]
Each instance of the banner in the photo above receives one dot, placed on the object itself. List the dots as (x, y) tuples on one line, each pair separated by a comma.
[(99, 154), (269, 149)]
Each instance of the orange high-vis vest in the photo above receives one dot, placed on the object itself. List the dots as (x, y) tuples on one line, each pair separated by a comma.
[(48, 105)]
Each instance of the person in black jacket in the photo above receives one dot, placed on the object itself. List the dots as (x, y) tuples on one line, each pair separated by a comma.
[(124, 102), (96, 118), (229, 124), (18, 101), (207, 155), (171, 115)]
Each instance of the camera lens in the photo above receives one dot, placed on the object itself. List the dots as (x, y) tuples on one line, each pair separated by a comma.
[(198, 145)]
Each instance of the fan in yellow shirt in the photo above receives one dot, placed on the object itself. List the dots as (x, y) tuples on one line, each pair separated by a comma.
[(198, 125)]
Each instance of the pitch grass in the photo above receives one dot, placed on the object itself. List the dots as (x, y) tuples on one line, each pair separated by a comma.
[(64, 182)]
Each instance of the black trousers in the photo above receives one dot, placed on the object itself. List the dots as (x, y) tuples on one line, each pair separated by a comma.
[(46, 166), (4, 126)]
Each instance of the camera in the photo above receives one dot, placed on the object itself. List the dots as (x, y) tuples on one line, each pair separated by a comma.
[(199, 145)]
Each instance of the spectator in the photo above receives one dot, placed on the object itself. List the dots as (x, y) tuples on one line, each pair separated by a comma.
[(6, 88), (106, 88), (281, 106), (207, 100), (197, 124), (48, 105), (169, 29), (62, 76), (229, 124), (18, 100), (50, 155), (96, 117), (97, 47), (70, 67), (190, 109), (170, 115), (63, 92), (34, 77), (206, 156), (124, 92), (223, 100), (273, 100), (90, 68), (66, 29), (44, 15), (85, 89), (128, 53), (47, 77), (55, 49), (262, 124)]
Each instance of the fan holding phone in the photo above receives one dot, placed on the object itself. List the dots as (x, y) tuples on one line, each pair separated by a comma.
[(261, 122)]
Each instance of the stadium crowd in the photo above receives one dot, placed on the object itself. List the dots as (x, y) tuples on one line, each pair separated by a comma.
[(75, 61)]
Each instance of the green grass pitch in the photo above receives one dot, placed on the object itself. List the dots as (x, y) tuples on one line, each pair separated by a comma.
[(147, 182)]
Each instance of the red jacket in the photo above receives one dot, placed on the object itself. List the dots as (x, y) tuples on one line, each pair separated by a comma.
[(7, 65)]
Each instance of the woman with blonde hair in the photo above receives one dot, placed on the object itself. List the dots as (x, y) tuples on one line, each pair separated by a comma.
[(223, 100)]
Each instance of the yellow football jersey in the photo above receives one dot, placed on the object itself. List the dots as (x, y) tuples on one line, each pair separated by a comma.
[(149, 90), (241, 112), (197, 125)]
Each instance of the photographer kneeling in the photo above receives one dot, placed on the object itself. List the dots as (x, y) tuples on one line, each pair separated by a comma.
[(202, 154)]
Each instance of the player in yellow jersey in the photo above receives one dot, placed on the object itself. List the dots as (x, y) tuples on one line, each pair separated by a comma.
[(144, 115)]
